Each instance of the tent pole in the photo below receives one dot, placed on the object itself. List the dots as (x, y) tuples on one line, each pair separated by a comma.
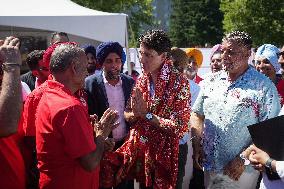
[(127, 48)]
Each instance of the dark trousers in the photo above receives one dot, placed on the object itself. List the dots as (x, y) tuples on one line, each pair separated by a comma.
[(197, 181), (182, 157)]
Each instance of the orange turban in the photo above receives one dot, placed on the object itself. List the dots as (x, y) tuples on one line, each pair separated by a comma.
[(196, 54)]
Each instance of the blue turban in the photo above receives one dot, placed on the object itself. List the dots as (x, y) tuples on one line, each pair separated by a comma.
[(270, 52), (90, 49), (105, 48)]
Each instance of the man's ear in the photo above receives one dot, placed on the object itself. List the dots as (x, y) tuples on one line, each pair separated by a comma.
[(73, 68)]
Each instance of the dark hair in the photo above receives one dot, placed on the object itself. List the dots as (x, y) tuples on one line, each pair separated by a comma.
[(156, 40), (60, 34), (33, 58), (90, 49), (62, 57), (240, 37)]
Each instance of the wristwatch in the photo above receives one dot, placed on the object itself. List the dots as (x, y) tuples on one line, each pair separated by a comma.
[(244, 159), (268, 164), (149, 116)]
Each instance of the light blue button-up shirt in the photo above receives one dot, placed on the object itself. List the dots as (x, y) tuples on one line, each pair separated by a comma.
[(228, 109)]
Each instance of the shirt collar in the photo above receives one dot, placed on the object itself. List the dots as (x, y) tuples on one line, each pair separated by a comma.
[(56, 85), (224, 74)]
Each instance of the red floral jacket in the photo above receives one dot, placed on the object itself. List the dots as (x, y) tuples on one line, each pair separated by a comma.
[(150, 154)]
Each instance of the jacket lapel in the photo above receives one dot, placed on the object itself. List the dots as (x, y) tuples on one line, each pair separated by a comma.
[(103, 90)]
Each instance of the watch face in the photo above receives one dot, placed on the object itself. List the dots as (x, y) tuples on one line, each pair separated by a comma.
[(149, 116), (268, 163)]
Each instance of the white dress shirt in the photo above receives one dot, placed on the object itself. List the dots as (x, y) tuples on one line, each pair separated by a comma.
[(116, 102), (274, 184)]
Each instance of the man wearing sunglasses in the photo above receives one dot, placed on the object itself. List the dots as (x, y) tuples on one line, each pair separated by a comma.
[(39, 70)]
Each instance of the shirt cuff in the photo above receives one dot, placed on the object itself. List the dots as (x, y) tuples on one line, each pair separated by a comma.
[(280, 169)]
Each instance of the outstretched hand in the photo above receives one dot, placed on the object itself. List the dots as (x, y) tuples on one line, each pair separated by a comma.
[(258, 158), (107, 123)]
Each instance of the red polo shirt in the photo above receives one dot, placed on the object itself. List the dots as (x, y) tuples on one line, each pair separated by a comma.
[(12, 167), (29, 110), (31, 103), (63, 134)]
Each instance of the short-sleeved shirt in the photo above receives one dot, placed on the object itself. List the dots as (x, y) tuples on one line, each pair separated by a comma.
[(63, 134), (30, 107), (29, 110), (12, 167), (228, 109)]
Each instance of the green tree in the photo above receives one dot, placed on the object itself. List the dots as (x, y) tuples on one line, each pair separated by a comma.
[(196, 23), (262, 19), (139, 12)]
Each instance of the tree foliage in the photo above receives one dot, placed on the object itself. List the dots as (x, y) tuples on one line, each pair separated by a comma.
[(262, 19), (196, 23), (139, 12)]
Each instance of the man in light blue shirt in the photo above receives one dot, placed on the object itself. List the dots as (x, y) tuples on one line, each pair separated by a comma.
[(228, 102)]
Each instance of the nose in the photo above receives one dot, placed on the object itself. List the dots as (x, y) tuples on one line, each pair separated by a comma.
[(142, 59)]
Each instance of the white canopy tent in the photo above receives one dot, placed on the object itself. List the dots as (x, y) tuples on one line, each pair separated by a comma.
[(65, 16)]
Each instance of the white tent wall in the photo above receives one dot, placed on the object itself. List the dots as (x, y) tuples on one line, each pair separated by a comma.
[(65, 16)]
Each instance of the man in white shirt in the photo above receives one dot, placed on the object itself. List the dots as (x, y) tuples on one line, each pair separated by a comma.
[(111, 89)]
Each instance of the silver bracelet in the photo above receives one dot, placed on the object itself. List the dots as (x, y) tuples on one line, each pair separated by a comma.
[(8, 67), (12, 64)]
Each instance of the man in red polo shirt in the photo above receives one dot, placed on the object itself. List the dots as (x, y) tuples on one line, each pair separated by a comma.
[(67, 154), (12, 166), (29, 116)]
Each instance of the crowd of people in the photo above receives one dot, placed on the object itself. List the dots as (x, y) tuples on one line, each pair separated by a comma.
[(75, 120)]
